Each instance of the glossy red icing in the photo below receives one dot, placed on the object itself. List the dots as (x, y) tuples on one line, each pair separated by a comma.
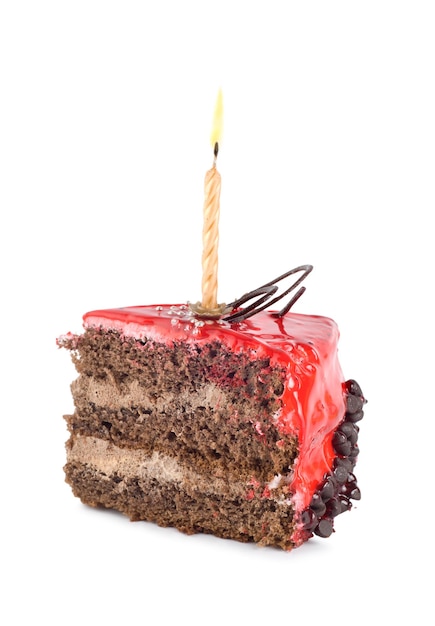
[(305, 345)]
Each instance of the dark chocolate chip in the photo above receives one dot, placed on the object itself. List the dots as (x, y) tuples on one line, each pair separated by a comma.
[(353, 388), (325, 528), (309, 519), (350, 431), (345, 503), (347, 463), (341, 444), (333, 508), (354, 404), (351, 478), (317, 505), (355, 494), (328, 490), (349, 486), (355, 417), (354, 452), (339, 438), (341, 474)]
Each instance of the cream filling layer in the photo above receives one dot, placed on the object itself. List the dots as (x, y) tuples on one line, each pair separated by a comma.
[(103, 456), (108, 394), (107, 459)]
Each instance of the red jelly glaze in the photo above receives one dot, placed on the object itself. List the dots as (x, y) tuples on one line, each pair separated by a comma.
[(305, 345)]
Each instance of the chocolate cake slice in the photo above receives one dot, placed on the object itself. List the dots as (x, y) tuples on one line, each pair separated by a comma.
[(240, 427)]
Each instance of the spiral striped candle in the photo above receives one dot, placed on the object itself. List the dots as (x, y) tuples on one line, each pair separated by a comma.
[(210, 237), (210, 233)]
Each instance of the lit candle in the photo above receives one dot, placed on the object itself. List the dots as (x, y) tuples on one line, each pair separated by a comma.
[(210, 234)]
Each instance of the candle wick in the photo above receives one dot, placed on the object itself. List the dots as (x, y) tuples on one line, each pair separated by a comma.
[(215, 152)]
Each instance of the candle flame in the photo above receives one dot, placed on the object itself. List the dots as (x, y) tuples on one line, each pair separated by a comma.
[(216, 132)]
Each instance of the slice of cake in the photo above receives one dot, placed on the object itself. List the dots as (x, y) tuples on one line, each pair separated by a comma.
[(242, 427)]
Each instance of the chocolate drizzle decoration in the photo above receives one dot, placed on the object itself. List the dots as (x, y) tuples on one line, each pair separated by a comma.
[(263, 295)]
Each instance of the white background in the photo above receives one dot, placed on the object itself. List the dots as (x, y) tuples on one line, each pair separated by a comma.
[(327, 158)]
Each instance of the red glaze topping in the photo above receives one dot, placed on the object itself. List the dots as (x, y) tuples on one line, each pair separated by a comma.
[(305, 345)]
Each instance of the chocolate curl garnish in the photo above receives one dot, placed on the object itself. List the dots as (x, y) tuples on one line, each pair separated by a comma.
[(263, 295)]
